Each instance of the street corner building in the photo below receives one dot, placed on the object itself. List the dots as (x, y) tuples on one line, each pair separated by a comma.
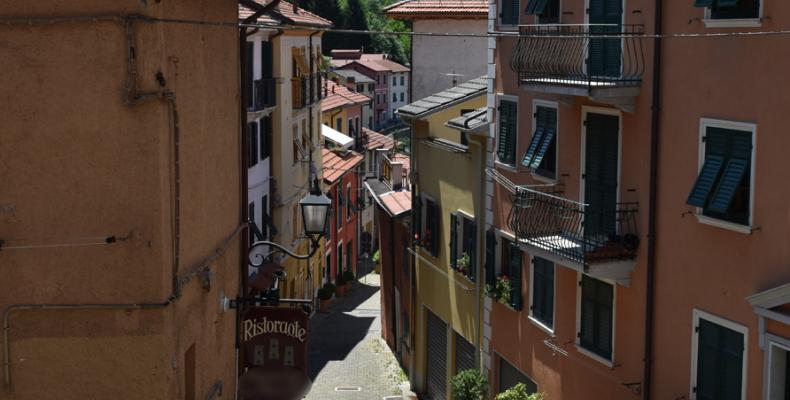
[(120, 222), (449, 134)]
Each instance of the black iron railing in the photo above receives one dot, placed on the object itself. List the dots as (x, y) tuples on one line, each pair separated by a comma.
[(264, 93), (591, 56), (574, 230)]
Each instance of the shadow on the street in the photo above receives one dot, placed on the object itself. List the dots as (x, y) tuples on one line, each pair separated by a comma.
[(333, 335)]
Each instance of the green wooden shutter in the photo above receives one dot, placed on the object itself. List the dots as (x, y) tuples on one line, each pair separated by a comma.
[(719, 362), (600, 174), (267, 60), (726, 3), (543, 291), (534, 145), (472, 249), (597, 301), (706, 179), (251, 220), (249, 73), (253, 144), (547, 117), (536, 7), (703, 3), (416, 221), (516, 297), (730, 180), (604, 54), (605, 311), (266, 129), (587, 318), (510, 12), (506, 142), (453, 240), (490, 257)]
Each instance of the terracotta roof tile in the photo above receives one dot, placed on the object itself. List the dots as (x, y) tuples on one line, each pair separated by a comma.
[(375, 62), (396, 203), (336, 164), (407, 9), (376, 140), (285, 11), (340, 96)]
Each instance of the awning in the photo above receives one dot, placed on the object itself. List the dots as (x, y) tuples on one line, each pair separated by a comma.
[(338, 138)]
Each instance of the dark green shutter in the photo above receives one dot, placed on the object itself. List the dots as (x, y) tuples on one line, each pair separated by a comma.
[(506, 142), (251, 219), (719, 362), (267, 60), (417, 219), (547, 118), (534, 145), (587, 317), (730, 180), (516, 297), (510, 12), (597, 313), (703, 3), (543, 291), (472, 249), (266, 129), (604, 54), (726, 3), (249, 73), (706, 179), (453, 240), (433, 225), (536, 7), (253, 144), (600, 174), (490, 257)]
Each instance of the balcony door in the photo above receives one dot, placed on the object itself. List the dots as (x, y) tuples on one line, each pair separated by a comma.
[(604, 57), (600, 174)]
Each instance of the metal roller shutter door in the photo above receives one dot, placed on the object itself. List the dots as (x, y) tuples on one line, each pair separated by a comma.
[(437, 358)]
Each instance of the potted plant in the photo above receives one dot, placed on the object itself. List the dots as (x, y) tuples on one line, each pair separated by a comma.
[(324, 298), (518, 392), (377, 261), (340, 285), (349, 277), (502, 289), (462, 263), (469, 385)]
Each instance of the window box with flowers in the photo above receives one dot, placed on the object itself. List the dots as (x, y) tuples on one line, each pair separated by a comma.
[(462, 264)]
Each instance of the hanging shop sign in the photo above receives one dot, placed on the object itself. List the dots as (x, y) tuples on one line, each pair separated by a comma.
[(274, 341)]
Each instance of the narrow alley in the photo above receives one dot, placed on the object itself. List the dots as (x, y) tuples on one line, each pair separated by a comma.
[(347, 357)]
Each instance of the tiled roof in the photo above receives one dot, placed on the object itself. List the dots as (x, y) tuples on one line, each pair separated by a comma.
[(470, 120), (340, 96), (378, 65), (284, 14), (396, 202), (408, 9), (438, 101), (337, 163), (376, 140), (346, 54), (350, 73)]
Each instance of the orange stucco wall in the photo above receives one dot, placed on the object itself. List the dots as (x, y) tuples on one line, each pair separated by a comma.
[(79, 165), (701, 266)]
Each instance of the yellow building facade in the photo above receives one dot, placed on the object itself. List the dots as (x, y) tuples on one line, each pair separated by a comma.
[(449, 135)]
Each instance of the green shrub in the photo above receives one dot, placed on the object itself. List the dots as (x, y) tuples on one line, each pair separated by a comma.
[(340, 280), (324, 294), (348, 276), (502, 289), (330, 287), (518, 392), (376, 256), (469, 385)]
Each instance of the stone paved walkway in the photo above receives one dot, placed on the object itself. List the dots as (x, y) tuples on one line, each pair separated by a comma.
[(346, 350)]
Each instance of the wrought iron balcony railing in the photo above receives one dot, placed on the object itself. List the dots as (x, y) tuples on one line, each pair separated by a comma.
[(574, 230), (586, 56), (264, 94)]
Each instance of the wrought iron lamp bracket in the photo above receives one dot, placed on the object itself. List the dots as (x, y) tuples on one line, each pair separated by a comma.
[(260, 259)]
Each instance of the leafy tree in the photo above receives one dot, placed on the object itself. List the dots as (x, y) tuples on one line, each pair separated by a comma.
[(469, 385)]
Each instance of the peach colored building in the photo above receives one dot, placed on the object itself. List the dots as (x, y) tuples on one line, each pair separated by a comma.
[(123, 189), (568, 186)]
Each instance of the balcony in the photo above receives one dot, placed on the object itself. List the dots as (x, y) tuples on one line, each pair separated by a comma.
[(263, 97), (306, 90), (603, 62), (599, 241)]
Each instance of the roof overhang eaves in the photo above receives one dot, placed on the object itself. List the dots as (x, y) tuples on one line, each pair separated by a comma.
[(442, 107)]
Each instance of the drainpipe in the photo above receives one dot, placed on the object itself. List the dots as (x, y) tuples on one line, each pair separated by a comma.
[(651, 230), (481, 231)]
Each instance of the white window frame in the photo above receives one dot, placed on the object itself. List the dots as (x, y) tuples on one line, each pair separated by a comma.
[(540, 324), (736, 22), (577, 341), (514, 99), (556, 106), (739, 126), (773, 343), (698, 314), (462, 217)]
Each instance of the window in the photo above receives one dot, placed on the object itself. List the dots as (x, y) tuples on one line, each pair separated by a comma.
[(510, 376), (370, 122), (548, 11), (509, 12), (295, 221), (251, 218), (730, 9), (351, 128), (340, 203), (778, 370), (339, 266), (541, 291), (249, 73), (265, 220), (723, 187), (394, 97), (253, 144), (349, 203), (266, 131), (402, 97), (339, 124), (295, 145), (394, 81), (596, 317), (719, 359), (360, 88), (429, 237), (463, 244), (402, 81), (349, 256), (356, 124), (508, 130), (541, 154), (464, 354)]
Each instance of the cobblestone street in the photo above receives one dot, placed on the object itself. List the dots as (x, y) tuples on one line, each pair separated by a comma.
[(347, 357)]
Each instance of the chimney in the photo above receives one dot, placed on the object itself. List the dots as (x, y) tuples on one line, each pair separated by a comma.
[(296, 6)]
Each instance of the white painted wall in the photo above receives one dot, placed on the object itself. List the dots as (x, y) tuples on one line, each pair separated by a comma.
[(433, 57), (398, 90)]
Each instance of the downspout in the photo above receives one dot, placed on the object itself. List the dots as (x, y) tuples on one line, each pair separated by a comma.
[(243, 197), (651, 229), (481, 225)]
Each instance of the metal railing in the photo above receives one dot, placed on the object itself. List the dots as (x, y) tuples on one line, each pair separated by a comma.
[(574, 230), (264, 93), (589, 55)]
